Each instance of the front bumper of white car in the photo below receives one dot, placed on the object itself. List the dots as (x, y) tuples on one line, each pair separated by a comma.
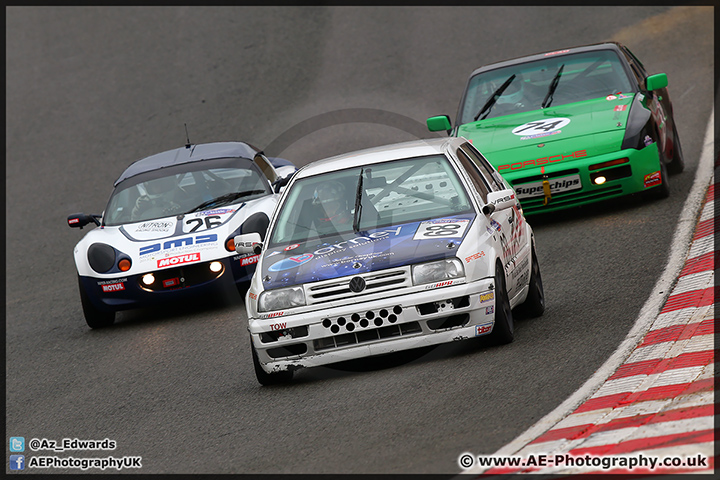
[(374, 327)]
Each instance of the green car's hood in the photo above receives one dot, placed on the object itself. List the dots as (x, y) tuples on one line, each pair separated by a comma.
[(593, 127)]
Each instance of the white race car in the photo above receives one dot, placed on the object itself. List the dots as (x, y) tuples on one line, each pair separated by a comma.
[(388, 249), (169, 225)]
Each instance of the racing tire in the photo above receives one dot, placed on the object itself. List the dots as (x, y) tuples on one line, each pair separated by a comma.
[(94, 317), (534, 304), (268, 378), (677, 164), (504, 329), (662, 190)]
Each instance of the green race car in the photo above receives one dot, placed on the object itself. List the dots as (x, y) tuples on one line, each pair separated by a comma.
[(571, 127)]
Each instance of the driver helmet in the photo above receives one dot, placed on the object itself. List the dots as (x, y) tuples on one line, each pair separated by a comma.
[(160, 186), (330, 195), (514, 92)]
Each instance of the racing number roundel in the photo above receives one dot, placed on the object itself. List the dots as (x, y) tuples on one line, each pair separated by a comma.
[(539, 127)]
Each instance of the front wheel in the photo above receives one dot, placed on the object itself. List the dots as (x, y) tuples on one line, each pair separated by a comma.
[(677, 164), (268, 378), (94, 317), (504, 329), (534, 304)]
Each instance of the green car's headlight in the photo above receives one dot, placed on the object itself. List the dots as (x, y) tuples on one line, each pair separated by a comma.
[(282, 299), (437, 271)]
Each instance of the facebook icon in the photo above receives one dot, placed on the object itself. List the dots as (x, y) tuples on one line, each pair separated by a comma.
[(17, 462)]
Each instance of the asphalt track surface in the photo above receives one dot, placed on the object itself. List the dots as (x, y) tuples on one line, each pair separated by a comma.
[(91, 89)]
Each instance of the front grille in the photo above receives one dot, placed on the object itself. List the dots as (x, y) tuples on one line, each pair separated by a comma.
[(339, 288), (535, 205), (364, 336)]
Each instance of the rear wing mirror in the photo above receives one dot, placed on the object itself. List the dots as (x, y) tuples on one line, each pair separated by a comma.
[(79, 220), (500, 200), (248, 243)]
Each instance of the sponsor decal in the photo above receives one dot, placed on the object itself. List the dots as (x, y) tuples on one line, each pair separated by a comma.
[(620, 108), (445, 228), (291, 247), (439, 284), (540, 127), (171, 282), (617, 96), (474, 256), (179, 243), (249, 260), (652, 179), (489, 310), (358, 258), (540, 135), (252, 295), (278, 326), (543, 160), (217, 211), (157, 226), (73, 220), (178, 260), (486, 297), (482, 329), (114, 280), (647, 140), (113, 287), (557, 185), (272, 315), (611, 97), (291, 262)]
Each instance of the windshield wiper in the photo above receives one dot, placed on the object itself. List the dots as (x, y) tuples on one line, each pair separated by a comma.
[(224, 200), (553, 85), (493, 98), (358, 203)]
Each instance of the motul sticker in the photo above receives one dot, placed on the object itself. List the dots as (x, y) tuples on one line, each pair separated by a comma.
[(620, 108), (249, 260), (113, 287), (652, 179), (178, 260)]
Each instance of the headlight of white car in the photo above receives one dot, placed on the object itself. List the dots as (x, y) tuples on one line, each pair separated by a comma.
[(437, 271), (281, 299)]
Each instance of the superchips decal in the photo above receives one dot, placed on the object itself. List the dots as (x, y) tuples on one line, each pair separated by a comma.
[(291, 262), (445, 228), (540, 128)]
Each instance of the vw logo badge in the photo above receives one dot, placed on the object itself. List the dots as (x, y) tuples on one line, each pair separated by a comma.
[(357, 284)]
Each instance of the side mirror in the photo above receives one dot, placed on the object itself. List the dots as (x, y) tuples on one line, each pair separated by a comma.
[(657, 81), (79, 220), (248, 243), (439, 123), (500, 200), (280, 183)]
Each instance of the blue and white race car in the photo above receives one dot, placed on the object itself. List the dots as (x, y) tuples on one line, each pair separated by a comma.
[(388, 249), (168, 228)]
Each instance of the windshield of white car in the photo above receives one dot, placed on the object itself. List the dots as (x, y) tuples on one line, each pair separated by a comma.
[(390, 193), (585, 76), (185, 188)]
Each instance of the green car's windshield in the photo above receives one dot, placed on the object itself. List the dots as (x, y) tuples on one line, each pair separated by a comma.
[(185, 188), (582, 76), (400, 191)]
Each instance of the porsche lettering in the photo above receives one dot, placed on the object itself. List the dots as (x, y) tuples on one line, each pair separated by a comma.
[(543, 160)]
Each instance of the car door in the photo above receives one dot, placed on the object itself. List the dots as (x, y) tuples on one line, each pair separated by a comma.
[(513, 232)]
